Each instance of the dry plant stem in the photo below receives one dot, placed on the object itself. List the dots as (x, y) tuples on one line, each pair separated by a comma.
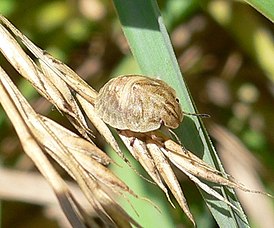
[(63, 71), (156, 164), (33, 123), (104, 130), (23, 187), (27, 68), (140, 153), (168, 175), (181, 151), (34, 151), (99, 124), (49, 81), (154, 151), (199, 168), (89, 159), (42, 133), (74, 112), (49, 85), (57, 72), (89, 186), (75, 144), (54, 72), (192, 177)]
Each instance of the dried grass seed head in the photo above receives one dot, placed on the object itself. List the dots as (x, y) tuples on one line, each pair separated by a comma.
[(138, 103)]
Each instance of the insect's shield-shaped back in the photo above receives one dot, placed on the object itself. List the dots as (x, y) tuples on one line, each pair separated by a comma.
[(138, 103)]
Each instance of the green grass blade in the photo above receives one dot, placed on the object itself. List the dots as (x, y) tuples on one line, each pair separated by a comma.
[(265, 7), (150, 44)]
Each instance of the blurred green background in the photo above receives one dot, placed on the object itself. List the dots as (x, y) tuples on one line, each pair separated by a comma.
[(225, 50)]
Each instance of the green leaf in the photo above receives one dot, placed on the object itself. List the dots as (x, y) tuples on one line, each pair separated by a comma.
[(265, 7), (151, 47)]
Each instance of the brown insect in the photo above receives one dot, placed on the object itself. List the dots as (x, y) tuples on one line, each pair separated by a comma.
[(138, 103)]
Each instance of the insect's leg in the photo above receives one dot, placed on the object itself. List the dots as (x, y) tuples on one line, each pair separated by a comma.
[(132, 141)]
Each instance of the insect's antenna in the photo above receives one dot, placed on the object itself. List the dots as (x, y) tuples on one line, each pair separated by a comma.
[(197, 114), (175, 136)]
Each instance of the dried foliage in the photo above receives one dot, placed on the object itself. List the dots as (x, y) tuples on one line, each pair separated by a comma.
[(78, 155), (83, 161)]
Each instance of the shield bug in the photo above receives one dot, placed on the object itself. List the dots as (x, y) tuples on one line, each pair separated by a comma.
[(138, 103)]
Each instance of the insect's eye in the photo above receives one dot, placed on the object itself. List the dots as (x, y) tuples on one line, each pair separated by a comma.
[(177, 100), (162, 122)]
